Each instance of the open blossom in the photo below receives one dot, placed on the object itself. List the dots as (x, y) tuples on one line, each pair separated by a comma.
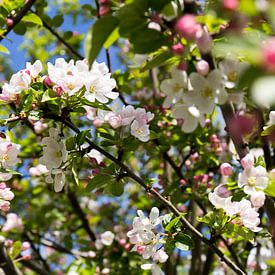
[(12, 222), (174, 87), (6, 195), (231, 70), (253, 179), (54, 155), (208, 91), (34, 69), (140, 130), (191, 116), (107, 238), (8, 153), (257, 199), (156, 270)]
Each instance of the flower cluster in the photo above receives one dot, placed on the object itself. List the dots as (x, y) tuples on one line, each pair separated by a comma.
[(137, 119), (66, 79), (54, 156), (240, 212), (253, 180), (6, 195), (145, 241), (20, 81), (193, 97)]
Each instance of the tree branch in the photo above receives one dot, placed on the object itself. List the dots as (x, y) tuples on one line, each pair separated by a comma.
[(17, 18), (6, 263), (163, 200), (85, 223)]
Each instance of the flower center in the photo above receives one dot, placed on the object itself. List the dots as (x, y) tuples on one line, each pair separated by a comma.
[(252, 181), (71, 86), (5, 157), (92, 89), (207, 92), (176, 88), (139, 131), (58, 154), (232, 76)]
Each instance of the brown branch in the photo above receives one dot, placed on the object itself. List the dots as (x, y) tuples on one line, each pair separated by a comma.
[(163, 200), (85, 223), (6, 263), (17, 18), (35, 267), (59, 38)]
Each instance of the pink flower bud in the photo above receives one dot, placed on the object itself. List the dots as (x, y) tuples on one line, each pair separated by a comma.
[(9, 243), (182, 66), (47, 81), (25, 246), (122, 241), (268, 54), (178, 49), (226, 169), (248, 161), (230, 5), (127, 247), (2, 186), (222, 191), (27, 257), (195, 156), (183, 182), (91, 254), (202, 67), (5, 206), (9, 22), (187, 26), (95, 172), (140, 249), (219, 150)]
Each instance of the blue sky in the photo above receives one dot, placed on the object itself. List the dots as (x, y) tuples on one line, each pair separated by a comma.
[(17, 55)]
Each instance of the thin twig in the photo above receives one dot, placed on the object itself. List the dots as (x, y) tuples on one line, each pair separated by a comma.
[(6, 263), (17, 18), (163, 200), (59, 38)]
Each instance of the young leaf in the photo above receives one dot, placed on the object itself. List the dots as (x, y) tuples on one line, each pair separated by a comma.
[(32, 18), (98, 35)]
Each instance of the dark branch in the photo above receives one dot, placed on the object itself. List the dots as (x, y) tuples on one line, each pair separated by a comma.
[(17, 18)]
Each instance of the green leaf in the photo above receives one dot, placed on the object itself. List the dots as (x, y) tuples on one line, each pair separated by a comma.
[(114, 36), (3, 49), (173, 222), (157, 61), (116, 188), (15, 250), (182, 246), (270, 189), (35, 114), (98, 35), (48, 95), (57, 21), (147, 40), (80, 138), (70, 143), (268, 131), (20, 28), (99, 181), (32, 18), (260, 162)]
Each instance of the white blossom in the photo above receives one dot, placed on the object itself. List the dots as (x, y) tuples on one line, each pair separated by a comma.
[(107, 238), (253, 179), (174, 87)]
